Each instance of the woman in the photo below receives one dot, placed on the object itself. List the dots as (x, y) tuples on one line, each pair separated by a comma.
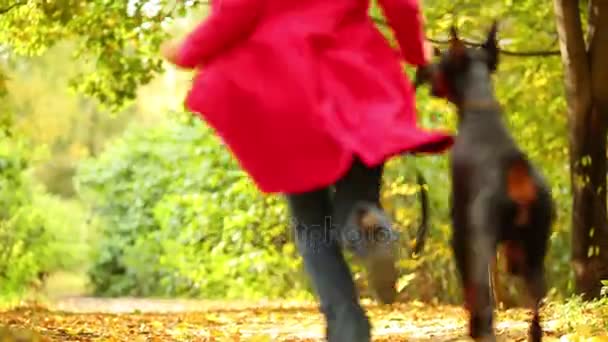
[(310, 98)]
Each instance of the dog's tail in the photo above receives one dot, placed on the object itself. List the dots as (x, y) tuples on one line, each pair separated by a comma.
[(424, 209), (521, 187)]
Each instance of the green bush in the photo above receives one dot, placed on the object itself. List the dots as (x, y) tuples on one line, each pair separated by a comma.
[(180, 218), (38, 232), (69, 233), (21, 231)]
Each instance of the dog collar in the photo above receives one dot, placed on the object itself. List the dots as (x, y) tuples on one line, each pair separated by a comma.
[(480, 104)]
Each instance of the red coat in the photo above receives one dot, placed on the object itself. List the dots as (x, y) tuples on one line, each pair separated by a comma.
[(297, 88)]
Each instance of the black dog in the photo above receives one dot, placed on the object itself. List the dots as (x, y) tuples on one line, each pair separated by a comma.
[(498, 197)]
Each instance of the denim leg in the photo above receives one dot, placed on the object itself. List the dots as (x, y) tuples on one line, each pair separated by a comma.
[(325, 264)]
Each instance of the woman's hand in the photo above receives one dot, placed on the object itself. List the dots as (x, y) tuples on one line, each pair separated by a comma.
[(429, 51), (170, 49)]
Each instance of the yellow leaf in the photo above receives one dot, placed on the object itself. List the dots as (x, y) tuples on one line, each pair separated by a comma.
[(260, 338), (603, 338), (404, 281)]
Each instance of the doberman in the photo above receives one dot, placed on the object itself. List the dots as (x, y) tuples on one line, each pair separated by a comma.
[(498, 197)]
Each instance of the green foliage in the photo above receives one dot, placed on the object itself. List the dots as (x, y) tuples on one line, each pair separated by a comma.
[(180, 218), (19, 228), (66, 224), (68, 127), (121, 37), (38, 233), (574, 315)]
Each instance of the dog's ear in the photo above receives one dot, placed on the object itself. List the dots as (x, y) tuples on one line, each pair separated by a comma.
[(491, 47), (457, 49), (453, 33)]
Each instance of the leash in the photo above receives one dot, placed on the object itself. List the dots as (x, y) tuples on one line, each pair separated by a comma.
[(423, 185), (424, 210)]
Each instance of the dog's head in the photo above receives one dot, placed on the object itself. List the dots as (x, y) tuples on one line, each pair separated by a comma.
[(459, 66)]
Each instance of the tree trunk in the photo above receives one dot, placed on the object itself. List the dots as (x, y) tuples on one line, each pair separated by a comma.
[(586, 97), (588, 163)]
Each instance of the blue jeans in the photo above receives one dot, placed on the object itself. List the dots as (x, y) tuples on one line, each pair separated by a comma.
[(320, 217)]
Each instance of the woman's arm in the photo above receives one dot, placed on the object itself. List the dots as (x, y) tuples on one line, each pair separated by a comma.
[(405, 18), (229, 21)]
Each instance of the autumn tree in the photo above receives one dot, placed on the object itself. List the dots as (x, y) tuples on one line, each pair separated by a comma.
[(119, 39), (586, 84)]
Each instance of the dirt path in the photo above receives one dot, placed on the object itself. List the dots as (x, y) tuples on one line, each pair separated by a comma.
[(92, 319)]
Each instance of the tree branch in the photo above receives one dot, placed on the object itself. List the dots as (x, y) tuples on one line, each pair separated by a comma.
[(598, 51), (574, 55), (11, 7), (543, 53), (540, 53)]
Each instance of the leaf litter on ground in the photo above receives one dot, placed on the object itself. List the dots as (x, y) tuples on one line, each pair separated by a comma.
[(134, 320)]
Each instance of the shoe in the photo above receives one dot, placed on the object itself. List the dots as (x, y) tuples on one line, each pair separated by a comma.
[(375, 243)]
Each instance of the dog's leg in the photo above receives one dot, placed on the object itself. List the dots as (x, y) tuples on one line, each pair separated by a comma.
[(534, 278), (537, 239), (535, 245), (475, 279), (476, 283), (459, 248), (481, 252), (459, 241), (536, 288), (323, 260), (478, 290)]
